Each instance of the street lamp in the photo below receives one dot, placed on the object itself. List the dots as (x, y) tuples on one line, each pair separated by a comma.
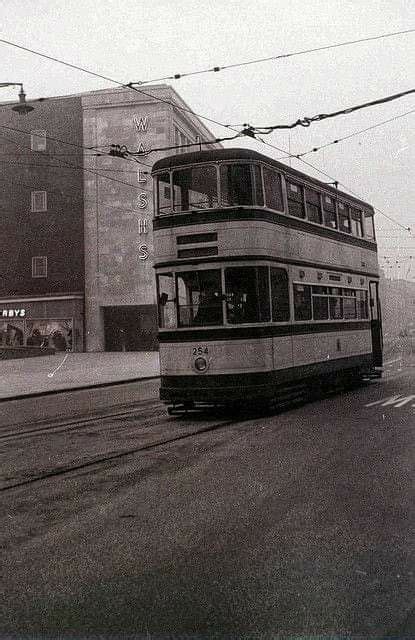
[(23, 108)]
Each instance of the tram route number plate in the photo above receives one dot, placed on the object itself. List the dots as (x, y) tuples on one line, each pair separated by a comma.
[(199, 351)]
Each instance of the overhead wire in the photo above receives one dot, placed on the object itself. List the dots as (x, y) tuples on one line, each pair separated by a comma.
[(217, 68), (78, 167), (343, 138), (307, 121), (178, 107)]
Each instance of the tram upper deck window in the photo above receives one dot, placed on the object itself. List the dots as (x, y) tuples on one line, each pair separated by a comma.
[(163, 193), (273, 189), (313, 204), (329, 212), (241, 184), (295, 200), (356, 221), (166, 301), (368, 226), (199, 295), (344, 219), (247, 295), (195, 188)]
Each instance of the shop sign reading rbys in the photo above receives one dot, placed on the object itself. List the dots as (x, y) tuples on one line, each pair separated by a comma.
[(13, 313)]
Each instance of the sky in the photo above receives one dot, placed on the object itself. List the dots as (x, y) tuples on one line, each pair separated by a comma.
[(138, 40)]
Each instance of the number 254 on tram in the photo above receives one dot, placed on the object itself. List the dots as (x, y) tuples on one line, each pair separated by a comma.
[(267, 279)]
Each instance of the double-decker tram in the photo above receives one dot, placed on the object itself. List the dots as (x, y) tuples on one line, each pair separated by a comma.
[(267, 280)]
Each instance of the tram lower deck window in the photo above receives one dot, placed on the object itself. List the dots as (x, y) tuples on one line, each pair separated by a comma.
[(199, 296), (247, 295), (302, 302)]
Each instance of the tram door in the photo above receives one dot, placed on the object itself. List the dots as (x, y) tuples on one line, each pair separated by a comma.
[(375, 323)]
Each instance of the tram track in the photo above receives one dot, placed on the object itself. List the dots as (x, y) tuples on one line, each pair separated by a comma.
[(147, 420), (102, 460), (58, 426)]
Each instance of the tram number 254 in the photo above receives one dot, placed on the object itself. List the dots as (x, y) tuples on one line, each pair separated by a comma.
[(199, 351)]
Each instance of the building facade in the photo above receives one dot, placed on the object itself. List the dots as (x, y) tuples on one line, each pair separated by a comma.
[(76, 247)]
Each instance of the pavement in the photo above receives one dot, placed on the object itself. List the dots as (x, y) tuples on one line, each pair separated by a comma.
[(73, 371)]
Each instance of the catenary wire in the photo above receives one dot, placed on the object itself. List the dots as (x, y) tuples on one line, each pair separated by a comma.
[(173, 105), (216, 68), (351, 135), (307, 121), (78, 167)]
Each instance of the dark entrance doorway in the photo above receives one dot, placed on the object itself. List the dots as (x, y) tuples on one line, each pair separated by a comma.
[(375, 323), (130, 328)]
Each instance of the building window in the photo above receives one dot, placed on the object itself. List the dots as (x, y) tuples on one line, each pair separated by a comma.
[(38, 140), (39, 201), (39, 267)]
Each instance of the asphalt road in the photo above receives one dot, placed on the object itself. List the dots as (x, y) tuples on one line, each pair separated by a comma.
[(300, 522)]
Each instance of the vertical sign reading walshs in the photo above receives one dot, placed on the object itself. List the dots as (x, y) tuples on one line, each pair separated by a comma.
[(141, 125)]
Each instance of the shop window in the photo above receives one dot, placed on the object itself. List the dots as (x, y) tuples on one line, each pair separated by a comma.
[(302, 302), (166, 301), (164, 204), (39, 267), (295, 200), (320, 303), (199, 297), (241, 185), (280, 302), (247, 295), (329, 212), (195, 188), (38, 140), (368, 225), (50, 333), (273, 189), (313, 205), (344, 219), (356, 222), (39, 201), (11, 333)]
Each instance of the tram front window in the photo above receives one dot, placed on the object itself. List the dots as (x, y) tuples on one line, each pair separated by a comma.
[(247, 295), (166, 301), (241, 185), (200, 298), (195, 188)]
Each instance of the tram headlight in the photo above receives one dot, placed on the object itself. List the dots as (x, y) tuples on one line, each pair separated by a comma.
[(201, 364)]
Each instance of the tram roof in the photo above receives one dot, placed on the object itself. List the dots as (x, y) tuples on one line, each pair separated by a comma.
[(212, 155)]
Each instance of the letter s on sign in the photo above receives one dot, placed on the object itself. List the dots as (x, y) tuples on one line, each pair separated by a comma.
[(142, 200), (143, 252)]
